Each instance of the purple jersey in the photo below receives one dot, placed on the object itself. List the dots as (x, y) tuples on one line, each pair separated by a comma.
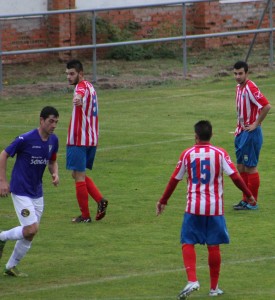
[(33, 155)]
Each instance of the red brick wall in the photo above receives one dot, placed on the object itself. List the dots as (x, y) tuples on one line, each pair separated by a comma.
[(63, 30)]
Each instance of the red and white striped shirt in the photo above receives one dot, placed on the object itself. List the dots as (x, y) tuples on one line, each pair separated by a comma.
[(204, 165), (249, 102), (83, 128)]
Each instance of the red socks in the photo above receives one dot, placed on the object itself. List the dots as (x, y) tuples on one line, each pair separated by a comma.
[(189, 260), (82, 198), (93, 190), (214, 262), (245, 179), (254, 184), (83, 189)]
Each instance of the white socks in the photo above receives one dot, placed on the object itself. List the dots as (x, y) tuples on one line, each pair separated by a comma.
[(13, 234), (20, 250)]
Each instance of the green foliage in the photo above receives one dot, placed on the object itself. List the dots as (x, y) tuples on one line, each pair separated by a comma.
[(132, 254), (113, 33)]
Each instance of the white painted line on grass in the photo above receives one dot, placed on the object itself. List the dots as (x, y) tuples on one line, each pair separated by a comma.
[(128, 276)]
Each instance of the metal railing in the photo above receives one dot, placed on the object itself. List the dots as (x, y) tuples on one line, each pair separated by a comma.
[(184, 37)]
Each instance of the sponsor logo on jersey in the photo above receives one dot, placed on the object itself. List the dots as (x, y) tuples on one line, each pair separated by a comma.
[(36, 147), (39, 161), (25, 212)]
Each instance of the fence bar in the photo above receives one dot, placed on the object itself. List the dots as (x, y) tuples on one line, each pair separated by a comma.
[(66, 11), (144, 41)]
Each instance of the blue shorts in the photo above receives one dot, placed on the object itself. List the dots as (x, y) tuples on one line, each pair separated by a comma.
[(78, 158), (210, 230), (248, 145)]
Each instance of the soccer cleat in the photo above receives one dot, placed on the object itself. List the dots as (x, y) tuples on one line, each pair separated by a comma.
[(189, 288), (247, 206), (14, 272), (216, 292), (252, 207), (80, 219), (101, 209), (2, 245), (240, 205)]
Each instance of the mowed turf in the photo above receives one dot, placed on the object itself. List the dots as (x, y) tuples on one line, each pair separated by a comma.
[(132, 254)]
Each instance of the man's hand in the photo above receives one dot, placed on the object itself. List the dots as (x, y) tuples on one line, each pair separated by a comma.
[(55, 179), (77, 100), (251, 200), (159, 208), (4, 188)]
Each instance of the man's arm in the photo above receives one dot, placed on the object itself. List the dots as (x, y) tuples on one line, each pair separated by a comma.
[(260, 119), (239, 183), (53, 168), (171, 186), (4, 185)]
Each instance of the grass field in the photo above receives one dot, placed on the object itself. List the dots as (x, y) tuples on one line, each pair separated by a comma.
[(132, 254)]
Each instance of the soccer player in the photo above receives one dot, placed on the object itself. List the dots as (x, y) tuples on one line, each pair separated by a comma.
[(34, 151), (252, 108), (204, 222), (82, 142)]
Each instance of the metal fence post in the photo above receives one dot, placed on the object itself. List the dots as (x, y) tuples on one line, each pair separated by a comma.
[(1, 67), (184, 48), (271, 52), (94, 44)]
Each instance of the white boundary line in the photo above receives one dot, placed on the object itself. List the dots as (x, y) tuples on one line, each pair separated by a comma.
[(132, 275)]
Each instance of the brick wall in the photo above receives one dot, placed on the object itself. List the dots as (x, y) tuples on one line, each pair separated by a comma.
[(75, 29)]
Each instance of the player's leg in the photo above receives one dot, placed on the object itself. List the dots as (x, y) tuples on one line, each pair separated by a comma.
[(29, 212), (192, 232), (254, 146), (240, 141), (76, 161), (216, 234), (214, 262), (92, 188)]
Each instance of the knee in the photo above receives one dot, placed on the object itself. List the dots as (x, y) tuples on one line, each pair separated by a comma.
[(30, 231)]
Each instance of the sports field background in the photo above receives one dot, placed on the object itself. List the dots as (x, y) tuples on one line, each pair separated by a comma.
[(132, 254)]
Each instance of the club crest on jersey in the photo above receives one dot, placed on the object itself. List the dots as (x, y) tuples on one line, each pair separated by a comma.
[(228, 159), (179, 164), (257, 95), (25, 212), (50, 147)]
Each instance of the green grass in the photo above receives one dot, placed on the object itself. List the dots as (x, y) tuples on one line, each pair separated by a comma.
[(132, 254)]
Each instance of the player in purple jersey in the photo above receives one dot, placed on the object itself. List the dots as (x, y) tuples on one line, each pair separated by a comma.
[(34, 151)]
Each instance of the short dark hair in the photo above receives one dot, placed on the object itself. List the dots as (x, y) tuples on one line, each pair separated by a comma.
[(75, 64), (241, 64), (47, 111), (203, 129)]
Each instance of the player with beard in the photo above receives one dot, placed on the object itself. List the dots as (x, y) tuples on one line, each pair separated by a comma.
[(82, 142), (252, 108)]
